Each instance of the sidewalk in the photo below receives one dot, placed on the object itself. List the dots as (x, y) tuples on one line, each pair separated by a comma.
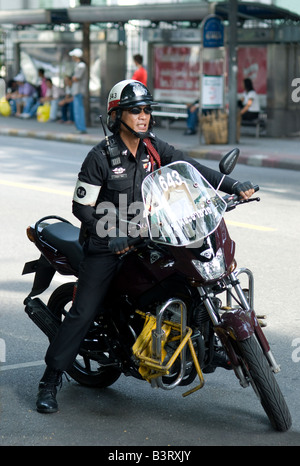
[(267, 152)]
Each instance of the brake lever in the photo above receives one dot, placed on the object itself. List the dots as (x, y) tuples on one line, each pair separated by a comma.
[(122, 256), (235, 202), (243, 201)]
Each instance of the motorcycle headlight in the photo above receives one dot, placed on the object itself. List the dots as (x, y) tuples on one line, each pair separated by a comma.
[(213, 269)]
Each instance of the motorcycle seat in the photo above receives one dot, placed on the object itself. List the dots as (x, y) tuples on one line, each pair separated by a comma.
[(65, 238)]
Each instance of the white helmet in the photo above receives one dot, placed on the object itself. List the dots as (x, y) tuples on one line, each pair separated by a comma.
[(128, 93)]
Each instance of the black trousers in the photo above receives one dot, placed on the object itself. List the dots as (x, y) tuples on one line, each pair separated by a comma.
[(249, 116), (95, 276)]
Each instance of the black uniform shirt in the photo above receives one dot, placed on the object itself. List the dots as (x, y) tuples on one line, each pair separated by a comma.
[(126, 179)]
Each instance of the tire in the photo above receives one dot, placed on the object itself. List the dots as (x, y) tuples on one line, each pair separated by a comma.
[(264, 384), (84, 370)]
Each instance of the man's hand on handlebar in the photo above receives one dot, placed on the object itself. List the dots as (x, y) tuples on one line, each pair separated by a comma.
[(244, 190), (122, 245), (119, 245)]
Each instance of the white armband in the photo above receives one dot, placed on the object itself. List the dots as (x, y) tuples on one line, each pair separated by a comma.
[(85, 193)]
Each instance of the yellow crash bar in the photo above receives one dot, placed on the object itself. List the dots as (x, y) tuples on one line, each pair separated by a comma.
[(141, 348)]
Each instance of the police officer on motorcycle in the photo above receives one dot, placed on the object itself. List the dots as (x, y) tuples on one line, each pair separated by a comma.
[(113, 168)]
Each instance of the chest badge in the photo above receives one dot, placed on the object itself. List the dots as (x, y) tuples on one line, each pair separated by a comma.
[(118, 173), (146, 165), (119, 170)]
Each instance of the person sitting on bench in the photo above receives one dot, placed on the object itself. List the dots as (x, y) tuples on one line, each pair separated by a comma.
[(192, 118), (249, 103)]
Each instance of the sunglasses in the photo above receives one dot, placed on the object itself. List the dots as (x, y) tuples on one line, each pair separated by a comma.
[(138, 110)]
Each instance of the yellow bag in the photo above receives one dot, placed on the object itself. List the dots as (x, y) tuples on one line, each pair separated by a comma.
[(43, 113), (5, 109)]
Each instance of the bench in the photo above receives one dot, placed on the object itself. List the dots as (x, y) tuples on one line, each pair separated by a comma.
[(170, 112), (259, 123)]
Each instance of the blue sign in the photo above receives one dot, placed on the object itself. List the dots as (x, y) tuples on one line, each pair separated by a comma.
[(213, 32)]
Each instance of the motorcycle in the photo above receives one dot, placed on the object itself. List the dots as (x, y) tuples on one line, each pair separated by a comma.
[(177, 309)]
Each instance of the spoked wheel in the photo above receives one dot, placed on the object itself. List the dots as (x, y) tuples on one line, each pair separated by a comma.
[(84, 370), (261, 377)]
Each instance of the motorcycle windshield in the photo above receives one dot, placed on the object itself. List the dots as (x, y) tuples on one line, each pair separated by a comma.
[(181, 207)]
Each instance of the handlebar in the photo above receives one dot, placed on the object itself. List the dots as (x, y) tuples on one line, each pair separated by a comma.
[(133, 243), (233, 200)]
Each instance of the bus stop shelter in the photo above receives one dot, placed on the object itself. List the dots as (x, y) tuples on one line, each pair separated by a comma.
[(246, 22)]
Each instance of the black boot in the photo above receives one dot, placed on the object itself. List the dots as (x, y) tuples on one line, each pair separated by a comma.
[(46, 397)]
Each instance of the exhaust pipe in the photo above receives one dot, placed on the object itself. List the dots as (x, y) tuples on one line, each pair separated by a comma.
[(39, 313)]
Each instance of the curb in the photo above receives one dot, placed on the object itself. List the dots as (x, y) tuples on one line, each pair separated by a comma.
[(254, 160), (50, 136)]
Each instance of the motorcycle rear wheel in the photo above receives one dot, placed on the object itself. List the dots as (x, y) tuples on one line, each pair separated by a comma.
[(85, 371), (262, 379)]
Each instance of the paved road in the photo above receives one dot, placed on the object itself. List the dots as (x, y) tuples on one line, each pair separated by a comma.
[(37, 181)]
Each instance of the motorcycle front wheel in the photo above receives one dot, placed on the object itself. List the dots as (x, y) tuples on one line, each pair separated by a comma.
[(84, 370), (261, 377)]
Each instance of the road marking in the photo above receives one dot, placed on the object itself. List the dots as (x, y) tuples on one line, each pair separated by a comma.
[(249, 226), (21, 365), (276, 190), (69, 193), (53, 159), (36, 188)]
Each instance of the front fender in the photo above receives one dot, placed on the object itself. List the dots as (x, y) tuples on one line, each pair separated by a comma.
[(238, 323)]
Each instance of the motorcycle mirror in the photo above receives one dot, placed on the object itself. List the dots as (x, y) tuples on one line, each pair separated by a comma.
[(228, 162)]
